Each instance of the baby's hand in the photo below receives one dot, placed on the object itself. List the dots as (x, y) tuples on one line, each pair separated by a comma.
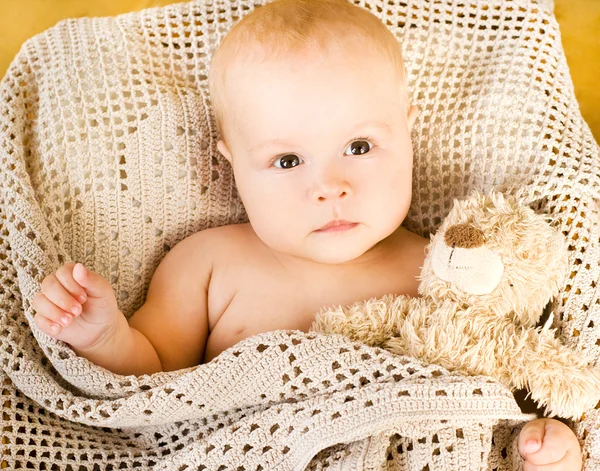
[(549, 445), (76, 306)]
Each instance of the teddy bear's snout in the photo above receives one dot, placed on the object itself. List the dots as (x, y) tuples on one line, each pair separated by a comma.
[(463, 236)]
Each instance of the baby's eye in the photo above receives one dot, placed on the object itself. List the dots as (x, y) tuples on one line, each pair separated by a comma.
[(287, 161), (359, 147)]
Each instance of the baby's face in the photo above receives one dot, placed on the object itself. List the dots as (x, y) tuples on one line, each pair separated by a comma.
[(317, 140)]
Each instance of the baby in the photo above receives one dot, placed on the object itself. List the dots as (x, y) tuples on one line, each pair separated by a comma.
[(312, 107)]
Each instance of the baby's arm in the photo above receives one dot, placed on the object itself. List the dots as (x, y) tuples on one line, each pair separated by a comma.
[(167, 333), (547, 444), (174, 317)]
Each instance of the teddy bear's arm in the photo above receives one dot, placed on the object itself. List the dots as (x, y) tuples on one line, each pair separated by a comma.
[(557, 377), (371, 322)]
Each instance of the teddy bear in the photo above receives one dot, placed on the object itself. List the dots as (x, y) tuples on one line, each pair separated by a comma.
[(489, 271)]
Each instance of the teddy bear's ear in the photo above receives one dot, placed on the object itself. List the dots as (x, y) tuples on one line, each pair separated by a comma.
[(471, 200), (455, 214), (497, 197), (476, 194), (503, 203), (477, 200)]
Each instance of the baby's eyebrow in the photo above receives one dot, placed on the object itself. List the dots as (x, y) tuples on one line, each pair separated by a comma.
[(372, 124), (265, 144)]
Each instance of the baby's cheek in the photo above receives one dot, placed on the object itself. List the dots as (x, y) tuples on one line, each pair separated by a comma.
[(396, 197), (281, 227)]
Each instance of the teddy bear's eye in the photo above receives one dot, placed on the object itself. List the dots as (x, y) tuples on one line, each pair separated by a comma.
[(511, 285)]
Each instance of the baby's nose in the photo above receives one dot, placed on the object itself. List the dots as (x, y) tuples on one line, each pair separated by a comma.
[(463, 236), (332, 190)]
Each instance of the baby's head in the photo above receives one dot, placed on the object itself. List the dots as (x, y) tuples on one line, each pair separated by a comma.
[(311, 103)]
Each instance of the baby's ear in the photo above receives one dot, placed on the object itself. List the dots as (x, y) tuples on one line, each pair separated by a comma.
[(413, 112), (222, 148)]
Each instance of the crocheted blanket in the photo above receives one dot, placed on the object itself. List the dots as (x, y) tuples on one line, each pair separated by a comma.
[(108, 156)]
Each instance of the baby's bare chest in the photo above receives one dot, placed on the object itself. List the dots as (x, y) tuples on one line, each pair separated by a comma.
[(248, 300)]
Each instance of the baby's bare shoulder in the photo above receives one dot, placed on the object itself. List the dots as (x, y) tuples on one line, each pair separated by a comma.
[(226, 238), (196, 255), (180, 287), (220, 247)]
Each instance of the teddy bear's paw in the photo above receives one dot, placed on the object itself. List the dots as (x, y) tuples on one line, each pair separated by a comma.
[(570, 395)]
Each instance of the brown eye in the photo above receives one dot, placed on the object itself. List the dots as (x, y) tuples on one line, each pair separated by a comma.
[(358, 148), (287, 161)]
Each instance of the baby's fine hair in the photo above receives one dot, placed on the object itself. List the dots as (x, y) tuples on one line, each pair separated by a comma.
[(284, 28)]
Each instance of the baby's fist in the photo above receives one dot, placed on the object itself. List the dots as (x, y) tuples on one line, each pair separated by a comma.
[(76, 306), (549, 445)]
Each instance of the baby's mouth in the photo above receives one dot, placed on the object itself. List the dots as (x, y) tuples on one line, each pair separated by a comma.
[(337, 225)]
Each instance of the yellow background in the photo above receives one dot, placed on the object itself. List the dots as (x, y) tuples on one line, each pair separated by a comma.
[(579, 22)]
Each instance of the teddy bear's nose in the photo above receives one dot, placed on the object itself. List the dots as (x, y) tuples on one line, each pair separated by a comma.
[(464, 236)]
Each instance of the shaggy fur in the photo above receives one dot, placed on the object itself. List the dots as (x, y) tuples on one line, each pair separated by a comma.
[(481, 298)]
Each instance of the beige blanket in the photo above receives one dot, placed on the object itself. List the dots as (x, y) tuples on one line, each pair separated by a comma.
[(108, 157)]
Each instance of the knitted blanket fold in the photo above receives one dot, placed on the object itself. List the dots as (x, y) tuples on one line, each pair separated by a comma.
[(108, 156)]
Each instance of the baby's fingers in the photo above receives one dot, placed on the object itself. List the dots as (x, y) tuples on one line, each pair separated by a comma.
[(531, 437), (95, 285), (559, 450), (568, 463), (57, 294), (65, 275), (49, 317)]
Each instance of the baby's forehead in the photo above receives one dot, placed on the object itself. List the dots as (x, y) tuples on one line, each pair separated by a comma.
[(325, 96), (349, 57), (324, 75), (315, 35), (254, 49)]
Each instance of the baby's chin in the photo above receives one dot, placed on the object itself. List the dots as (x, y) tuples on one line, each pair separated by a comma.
[(322, 255), (337, 252)]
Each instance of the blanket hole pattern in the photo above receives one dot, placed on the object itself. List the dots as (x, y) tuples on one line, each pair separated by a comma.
[(108, 157)]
